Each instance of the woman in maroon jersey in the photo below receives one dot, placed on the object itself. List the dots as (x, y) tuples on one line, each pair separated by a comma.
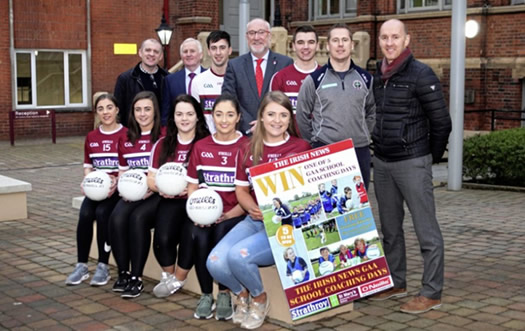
[(131, 221), (100, 153), (186, 125), (212, 165), (234, 262)]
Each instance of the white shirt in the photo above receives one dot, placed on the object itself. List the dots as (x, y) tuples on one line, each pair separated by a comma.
[(187, 73), (263, 63)]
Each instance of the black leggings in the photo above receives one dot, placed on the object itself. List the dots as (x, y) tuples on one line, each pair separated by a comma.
[(89, 212), (130, 233), (172, 228), (205, 239)]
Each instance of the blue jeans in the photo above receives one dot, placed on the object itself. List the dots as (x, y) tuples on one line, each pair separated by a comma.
[(235, 261)]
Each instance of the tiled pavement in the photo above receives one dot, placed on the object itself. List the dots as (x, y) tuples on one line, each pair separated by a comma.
[(484, 233)]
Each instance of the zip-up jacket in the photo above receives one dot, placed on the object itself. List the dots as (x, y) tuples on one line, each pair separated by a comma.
[(331, 109), (126, 88), (412, 115)]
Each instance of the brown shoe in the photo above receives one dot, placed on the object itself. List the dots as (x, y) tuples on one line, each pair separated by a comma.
[(391, 293), (420, 304)]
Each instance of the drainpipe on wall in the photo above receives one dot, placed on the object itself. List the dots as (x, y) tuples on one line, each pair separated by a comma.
[(88, 64), (12, 55)]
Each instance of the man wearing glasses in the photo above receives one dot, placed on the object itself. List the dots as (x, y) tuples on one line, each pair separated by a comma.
[(248, 76), (147, 75)]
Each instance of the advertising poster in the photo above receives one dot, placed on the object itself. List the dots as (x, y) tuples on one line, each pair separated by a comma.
[(321, 228)]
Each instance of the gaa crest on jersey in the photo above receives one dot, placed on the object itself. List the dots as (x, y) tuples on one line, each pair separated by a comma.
[(357, 84)]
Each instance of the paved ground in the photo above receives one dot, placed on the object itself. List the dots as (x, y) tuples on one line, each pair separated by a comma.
[(484, 233)]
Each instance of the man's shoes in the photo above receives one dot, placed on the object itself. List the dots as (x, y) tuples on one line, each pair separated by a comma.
[(388, 294), (224, 309), (205, 307), (256, 314), (420, 304), (241, 309), (134, 288), (122, 281), (78, 275), (101, 276), (168, 285)]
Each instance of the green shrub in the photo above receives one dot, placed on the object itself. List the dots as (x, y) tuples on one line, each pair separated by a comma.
[(496, 158)]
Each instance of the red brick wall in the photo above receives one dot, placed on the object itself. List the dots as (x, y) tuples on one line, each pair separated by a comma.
[(186, 9), (5, 71)]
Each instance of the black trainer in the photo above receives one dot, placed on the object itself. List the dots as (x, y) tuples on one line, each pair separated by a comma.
[(122, 281), (134, 288)]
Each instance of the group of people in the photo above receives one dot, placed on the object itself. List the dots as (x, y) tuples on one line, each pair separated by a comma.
[(240, 113)]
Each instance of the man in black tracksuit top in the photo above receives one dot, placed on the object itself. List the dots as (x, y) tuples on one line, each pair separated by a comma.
[(411, 132)]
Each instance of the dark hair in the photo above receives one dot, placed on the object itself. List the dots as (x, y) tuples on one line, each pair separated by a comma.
[(169, 145), (134, 130), (226, 97), (217, 35), (339, 26), (105, 96), (305, 29), (323, 249)]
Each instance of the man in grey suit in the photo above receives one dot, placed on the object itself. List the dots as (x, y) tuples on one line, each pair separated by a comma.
[(248, 76)]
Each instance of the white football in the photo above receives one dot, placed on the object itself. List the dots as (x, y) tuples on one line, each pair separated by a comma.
[(133, 185), (276, 219), (326, 267), (373, 252), (96, 185), (297, 276), (171, 178), (204, 206)]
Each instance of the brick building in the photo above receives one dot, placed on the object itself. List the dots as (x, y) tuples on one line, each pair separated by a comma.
[(55, 54)]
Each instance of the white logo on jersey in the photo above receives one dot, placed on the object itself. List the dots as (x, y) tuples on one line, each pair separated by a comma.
[(291, 83), (207, 155), (128, 144), (93, 144)]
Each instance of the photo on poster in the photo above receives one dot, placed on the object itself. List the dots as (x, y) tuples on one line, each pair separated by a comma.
[(293, 265), (343, 195), (297, 209), (346, 253), (320, 234)]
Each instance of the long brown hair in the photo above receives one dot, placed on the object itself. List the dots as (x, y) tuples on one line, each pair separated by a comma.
[(257, 142), (134, 130), (169, 145)]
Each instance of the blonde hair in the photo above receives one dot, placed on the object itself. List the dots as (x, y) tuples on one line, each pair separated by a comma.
[(257, 142)]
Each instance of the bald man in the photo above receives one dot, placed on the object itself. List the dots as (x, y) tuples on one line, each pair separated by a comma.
[(411, 133)]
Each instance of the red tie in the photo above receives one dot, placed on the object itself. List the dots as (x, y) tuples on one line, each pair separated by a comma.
[(191, 74), (259, 76)]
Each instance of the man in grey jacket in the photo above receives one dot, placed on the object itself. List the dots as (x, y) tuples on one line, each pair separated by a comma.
[(336, 102)]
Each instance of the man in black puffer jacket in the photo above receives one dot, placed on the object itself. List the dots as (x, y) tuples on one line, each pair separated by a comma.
[(411, 132)]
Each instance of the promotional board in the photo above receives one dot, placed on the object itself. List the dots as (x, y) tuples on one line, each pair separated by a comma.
[(321, 229)]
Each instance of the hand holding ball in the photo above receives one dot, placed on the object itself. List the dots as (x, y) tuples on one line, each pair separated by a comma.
[(96, 185), (171, 179), (133, 185), (204, 206)]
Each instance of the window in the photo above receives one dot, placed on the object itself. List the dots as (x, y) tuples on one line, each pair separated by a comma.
[(517, 2), (405, 6), (320, 9), (48, 78)]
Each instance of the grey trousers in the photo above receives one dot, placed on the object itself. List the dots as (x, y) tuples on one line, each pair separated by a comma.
[(410, 181)]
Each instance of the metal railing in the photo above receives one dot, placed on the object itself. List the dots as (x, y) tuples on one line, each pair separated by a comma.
[(494, 117)]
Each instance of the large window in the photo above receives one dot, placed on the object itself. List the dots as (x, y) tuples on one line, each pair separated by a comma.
[(405, 6), (320, 9), (46, 78)]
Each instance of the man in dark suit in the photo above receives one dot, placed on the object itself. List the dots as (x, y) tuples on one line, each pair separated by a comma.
[(145, 76), (180, 82), (248, 76)]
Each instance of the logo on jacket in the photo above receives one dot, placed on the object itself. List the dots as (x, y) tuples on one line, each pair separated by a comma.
[(357, 84)]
